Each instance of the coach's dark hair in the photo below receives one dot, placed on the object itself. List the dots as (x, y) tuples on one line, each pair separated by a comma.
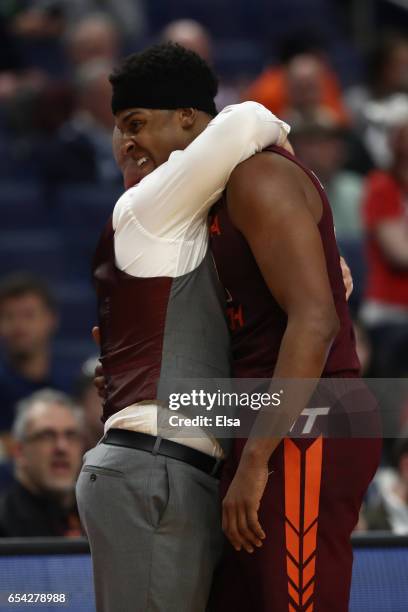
[(165, 76), (20, 284)]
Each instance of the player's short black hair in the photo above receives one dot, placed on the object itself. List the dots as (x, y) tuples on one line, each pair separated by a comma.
[(20, 284), (165, 76)]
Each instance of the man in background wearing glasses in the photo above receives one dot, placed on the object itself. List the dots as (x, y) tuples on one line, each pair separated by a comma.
[(48, 430)]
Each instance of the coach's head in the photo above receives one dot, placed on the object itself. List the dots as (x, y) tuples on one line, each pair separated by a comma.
[(162, 99)]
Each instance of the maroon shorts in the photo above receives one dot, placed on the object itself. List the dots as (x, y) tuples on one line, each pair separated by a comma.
[(310, 507)]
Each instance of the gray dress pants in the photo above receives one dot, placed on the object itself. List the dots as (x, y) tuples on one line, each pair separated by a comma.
[(154, 529)]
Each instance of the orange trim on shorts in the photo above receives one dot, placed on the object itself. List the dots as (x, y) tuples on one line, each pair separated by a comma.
[(309, 543), (292, 483), (303, 472), (313, 475), (309, 571)]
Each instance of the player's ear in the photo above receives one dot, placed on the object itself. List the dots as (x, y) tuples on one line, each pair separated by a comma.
[(187, 117)]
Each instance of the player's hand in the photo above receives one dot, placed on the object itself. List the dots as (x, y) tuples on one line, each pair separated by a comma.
[(241, 504), (347, 278)]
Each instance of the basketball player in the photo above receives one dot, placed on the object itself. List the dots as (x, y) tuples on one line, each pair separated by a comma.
[(293, 503)]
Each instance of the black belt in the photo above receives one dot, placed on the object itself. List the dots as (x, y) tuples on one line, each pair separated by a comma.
[(167, 448)]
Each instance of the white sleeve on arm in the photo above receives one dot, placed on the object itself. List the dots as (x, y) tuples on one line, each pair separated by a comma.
[(181, 191)]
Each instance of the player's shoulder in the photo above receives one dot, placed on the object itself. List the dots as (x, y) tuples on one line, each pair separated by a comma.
[(265, 186), (267, 171)]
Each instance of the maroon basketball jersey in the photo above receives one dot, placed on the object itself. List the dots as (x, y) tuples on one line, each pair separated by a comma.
[(257, 322)]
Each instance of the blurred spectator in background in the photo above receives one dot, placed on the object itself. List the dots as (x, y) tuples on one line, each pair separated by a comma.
[(96, 37), (42, 19), (48, 432), (37, 27), (43, 99), (82, 148), (28, 321), (385, 209), (31, 34), (91, 403), (193, 35), (128, 15), (22, 77), (189, 34), (304, 81), (387, 506), (378, 104), (38, 19), (90, 49), (320, 143), (305, 72)]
